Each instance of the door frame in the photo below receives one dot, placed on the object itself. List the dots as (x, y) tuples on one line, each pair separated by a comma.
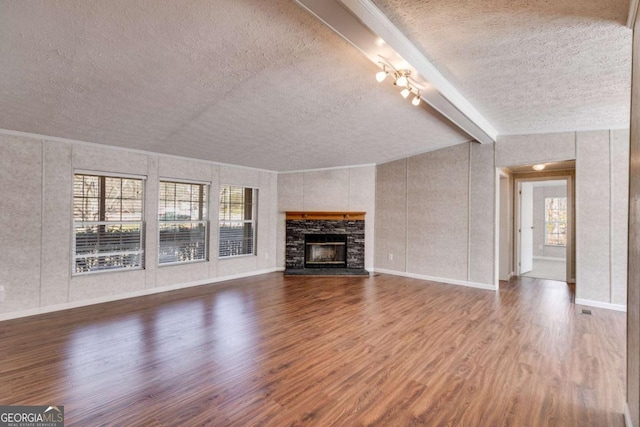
[(570, 219)]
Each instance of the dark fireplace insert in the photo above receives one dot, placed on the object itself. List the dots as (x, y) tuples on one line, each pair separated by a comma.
[(325, 251)]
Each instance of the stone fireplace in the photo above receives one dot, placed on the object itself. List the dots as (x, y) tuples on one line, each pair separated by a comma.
[(325, 243)]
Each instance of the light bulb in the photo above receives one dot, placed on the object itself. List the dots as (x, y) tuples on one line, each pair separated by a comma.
[(401, 80), (416, 100), (381, 75), (405, 92)]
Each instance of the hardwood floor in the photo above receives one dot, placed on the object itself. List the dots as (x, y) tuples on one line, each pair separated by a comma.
[(346, 351)]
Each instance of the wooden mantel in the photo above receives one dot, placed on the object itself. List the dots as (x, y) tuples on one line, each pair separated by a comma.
[(325, 216)]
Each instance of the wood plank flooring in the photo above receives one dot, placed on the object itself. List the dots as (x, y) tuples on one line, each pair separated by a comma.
[(341, 351)]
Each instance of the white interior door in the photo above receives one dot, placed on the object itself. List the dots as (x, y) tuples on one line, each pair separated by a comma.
[(526, 227)]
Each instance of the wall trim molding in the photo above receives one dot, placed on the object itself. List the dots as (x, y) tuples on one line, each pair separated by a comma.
[(508, 277), (364, 165), (627, 415), (140, 293), (437, 279), (600, 304), (49, 138)]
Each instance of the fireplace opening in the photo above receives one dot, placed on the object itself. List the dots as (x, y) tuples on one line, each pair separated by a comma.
[(325, 251)]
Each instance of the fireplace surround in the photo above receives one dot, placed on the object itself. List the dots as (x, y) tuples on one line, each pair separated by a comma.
[(321, 243)]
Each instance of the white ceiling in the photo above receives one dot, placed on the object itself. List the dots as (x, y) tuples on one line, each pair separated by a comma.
[(266, 85)]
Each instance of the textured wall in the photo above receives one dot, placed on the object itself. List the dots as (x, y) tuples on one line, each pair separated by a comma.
[(482, 211), (21, 208), (38, 200), (513, 150), (391, 215), (633, 286), (592, 216), (601, 225), (435, 214), (619, 215), (601, 200), (345, 189), (438, 213)]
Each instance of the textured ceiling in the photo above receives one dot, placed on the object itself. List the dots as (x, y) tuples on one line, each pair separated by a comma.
[(264, 84), (529, 66)]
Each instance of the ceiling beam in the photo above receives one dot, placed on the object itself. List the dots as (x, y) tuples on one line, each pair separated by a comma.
[(633, 13), (363, 25)]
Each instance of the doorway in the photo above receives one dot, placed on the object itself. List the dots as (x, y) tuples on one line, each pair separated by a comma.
[(543, 228)]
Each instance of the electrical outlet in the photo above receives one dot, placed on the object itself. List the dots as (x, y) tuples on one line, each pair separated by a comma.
[(266, 255), (390, 256)]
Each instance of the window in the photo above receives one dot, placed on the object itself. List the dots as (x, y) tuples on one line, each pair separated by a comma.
[(555, 221), (182, 217), (107, 223), (237, 221)]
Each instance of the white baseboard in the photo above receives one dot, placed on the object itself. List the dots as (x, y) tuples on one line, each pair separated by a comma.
[(142, 292), (550, 258), (437, 279), (509, 276), (600, 304), (627, 416)]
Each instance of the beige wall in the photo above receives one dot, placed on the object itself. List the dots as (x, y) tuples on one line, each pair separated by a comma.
[(602, 169), (36, 184), (341, 189), (601, 200), (435, 215), (436, 212)]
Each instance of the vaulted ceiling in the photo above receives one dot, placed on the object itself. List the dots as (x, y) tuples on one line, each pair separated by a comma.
[(265, 84)]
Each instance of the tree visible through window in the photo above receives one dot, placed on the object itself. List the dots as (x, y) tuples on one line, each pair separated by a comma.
[(237, 221), (107, 223), (555, 221), (182, 217)]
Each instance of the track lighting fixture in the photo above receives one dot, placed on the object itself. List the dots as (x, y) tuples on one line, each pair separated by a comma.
[(402, 78)]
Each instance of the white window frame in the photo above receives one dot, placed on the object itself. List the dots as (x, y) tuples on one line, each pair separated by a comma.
[(79, 224), (253, 221), (204, 221), (566, 222)]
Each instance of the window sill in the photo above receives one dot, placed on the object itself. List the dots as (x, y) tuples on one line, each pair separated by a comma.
[(235, 256), (107, 270), (171, 264)]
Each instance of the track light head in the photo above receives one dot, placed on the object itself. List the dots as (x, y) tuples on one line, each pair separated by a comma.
[(381, 75), (416, 100), (405, 92), (401, 80)]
